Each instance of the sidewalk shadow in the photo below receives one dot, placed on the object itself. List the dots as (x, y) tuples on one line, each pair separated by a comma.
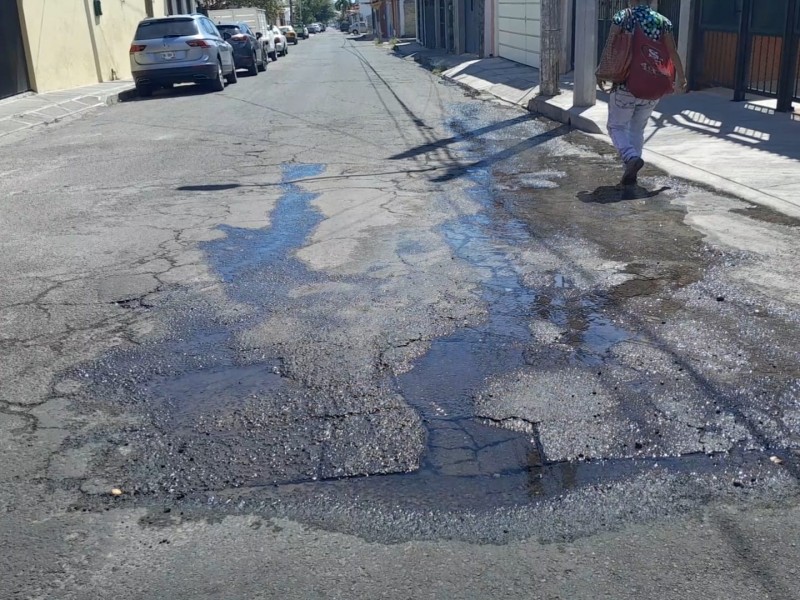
[(610, 194), (747, 123), (499, 70)]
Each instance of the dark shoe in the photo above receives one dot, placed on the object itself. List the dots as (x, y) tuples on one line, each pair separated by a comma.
[(632, 168)]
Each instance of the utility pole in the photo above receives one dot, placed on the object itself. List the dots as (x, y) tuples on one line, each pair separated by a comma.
[(585, 52), (551, 47)]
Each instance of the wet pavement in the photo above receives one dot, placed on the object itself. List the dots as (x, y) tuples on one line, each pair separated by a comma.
[(570, 378)]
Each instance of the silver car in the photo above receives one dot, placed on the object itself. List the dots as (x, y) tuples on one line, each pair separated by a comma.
[(180, 49)]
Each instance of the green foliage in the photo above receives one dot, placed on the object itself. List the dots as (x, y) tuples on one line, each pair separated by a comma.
[(316, 11), (343, 6)]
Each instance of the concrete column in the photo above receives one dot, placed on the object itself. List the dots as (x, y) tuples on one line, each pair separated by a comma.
[(488, 29), (685, 32), (437, 25), (566, 36), (173, 7), (458, 26), (585, 53), (551, 44)]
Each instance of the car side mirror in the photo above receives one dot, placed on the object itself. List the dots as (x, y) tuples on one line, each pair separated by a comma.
[(259, 35)]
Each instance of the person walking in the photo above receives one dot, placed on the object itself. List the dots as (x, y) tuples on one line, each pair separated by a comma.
[(655, 70)]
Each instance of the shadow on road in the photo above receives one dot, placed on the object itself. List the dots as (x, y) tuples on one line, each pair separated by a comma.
[(609, 194), (459, 170)]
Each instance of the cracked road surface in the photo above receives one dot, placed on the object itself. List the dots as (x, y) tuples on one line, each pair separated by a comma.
[(376, 337)]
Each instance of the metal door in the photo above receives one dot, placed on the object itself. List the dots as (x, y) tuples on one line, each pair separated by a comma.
[(750, 46), (472, 29), (672, 10), (608, 8), (13, 65), (605, 16)]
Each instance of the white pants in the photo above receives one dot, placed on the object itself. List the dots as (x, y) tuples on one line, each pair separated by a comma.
[(627, 118)]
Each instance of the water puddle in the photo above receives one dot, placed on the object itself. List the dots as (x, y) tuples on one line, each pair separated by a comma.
[(251, 261), (206, 385), (469, 460)]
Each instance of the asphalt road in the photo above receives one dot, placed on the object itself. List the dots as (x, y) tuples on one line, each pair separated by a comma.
[(345, 330)]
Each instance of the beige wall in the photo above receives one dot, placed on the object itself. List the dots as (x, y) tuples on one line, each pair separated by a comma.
[(114, 33), (68, 46)]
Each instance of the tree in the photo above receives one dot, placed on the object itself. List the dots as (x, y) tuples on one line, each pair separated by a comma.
[(316, 11), (343, 6)]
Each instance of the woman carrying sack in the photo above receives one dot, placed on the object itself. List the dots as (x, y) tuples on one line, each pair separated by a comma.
[(640, 60)]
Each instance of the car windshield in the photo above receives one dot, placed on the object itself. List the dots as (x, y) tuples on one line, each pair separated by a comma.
[(232, 29), (151, 30), (285, 29)]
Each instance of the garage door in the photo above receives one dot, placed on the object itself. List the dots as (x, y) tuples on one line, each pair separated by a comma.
[(519, 30), (13, 67)]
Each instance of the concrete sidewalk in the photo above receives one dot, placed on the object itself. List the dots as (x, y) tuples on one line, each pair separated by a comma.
[(30, 110), (745, 149)]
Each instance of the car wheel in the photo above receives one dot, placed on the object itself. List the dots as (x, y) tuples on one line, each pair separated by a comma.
[(274, 55), (285, 51), (262, 66), (144, 91), (218, 83), (253, 68), (232, 77), (295, 42)]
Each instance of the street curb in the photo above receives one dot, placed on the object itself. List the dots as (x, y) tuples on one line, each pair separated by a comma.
[(123, 96), (571, 117)]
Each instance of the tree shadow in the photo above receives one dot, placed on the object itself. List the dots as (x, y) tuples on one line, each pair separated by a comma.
[(609, 194)]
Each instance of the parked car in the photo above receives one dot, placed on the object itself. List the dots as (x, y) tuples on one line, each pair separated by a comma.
[(281, 47), (290, 33), (180, 49), (322, 26), (267, 42), (248, 50), (302, 31), (344, 26), (314, 28), (359, 27)]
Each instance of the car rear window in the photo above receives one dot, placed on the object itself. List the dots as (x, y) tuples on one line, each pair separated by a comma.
[(150, 30)]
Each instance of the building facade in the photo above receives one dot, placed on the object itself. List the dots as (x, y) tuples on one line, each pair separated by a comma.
[(749, 46), (394, 18), (47, 46)]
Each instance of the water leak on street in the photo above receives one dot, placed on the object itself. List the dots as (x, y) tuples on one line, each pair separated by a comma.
[(230, 418)]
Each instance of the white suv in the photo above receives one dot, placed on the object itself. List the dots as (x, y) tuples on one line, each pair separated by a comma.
[(359, 27), (278, 45)]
